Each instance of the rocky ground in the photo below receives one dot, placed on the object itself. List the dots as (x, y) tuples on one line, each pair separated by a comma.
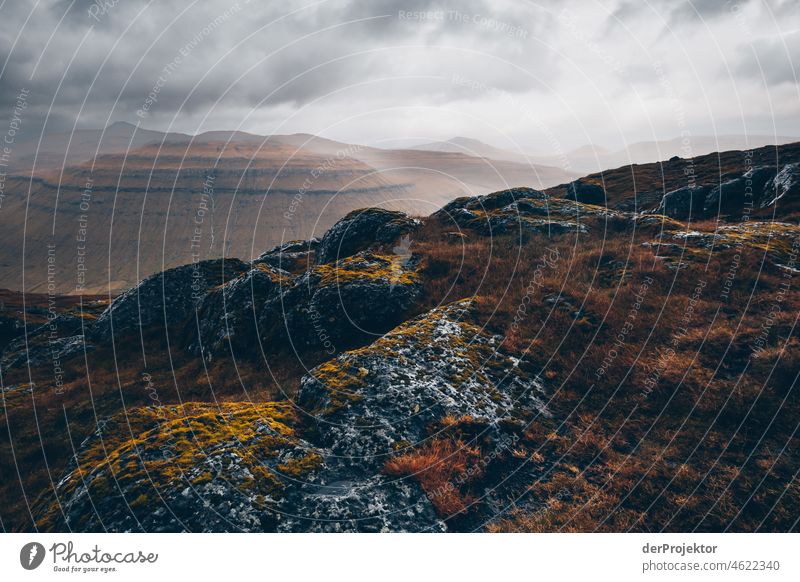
[(447, 374)]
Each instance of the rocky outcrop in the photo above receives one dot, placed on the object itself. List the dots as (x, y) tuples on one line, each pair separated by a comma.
[(57, 340), (320, 466), (520, 209), (785, 183), (229, 317), (164, 299), (345, 302), (366, 403), (297, 255), (332, 306), (735, 195), (361, 230), (195, 467), (730, 196), (40, 350), (586, 193), (684, 203), (776, 242)]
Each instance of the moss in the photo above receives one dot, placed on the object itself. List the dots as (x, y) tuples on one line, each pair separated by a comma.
[(340, 382), (274, 275), (158, 448), (298, 467), (369, 267)]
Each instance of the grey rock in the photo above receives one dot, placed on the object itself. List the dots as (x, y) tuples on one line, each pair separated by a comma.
[(684, 203), (164, 299), (361, 230)]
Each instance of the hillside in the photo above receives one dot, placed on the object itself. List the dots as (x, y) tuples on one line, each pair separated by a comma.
[(519, 361), (712, 177)]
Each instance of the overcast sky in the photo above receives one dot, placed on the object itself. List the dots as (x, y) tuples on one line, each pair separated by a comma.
[(519, 75)]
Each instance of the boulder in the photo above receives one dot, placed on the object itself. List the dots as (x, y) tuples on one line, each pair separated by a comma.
[(361, 230), (42, 350), (787, 181), (684, 203), (331, 306), (60, 338), (586, 193), (343, 303), (193, 467), (228, 316), (729, 197), (297, 255), (519, 210), (368, 403), (164, 299)]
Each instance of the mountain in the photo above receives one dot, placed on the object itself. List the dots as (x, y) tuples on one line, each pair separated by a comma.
[(407, 390), (474, 147), (114, 214)]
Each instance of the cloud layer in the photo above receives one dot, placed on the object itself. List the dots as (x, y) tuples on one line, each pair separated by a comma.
[(511, 73)]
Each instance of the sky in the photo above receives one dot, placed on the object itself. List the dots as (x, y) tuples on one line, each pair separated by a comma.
[(525, 76)]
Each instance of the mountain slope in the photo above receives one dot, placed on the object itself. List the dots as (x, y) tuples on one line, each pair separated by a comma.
[(514, 362)]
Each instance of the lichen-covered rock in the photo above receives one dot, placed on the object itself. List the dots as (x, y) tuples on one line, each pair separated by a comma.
[(321, 466), (57, 339), (343, 302), (42, 349), (520, 209), (361, 230), (331, 306), (369, 403), (292, 256), (165, 298), (228, 316), (194, 467), (775, 241)]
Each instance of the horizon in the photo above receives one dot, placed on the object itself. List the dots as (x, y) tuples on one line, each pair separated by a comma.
[(541, 79), (417, 143)]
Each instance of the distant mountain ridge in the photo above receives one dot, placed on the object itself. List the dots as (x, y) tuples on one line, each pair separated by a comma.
[(594, 158), (136, 196)]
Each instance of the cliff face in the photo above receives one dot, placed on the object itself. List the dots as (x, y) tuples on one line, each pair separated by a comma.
[(514, 362)]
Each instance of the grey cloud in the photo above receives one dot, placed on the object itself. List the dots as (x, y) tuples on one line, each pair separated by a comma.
[(371, 59), (773, 60)]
